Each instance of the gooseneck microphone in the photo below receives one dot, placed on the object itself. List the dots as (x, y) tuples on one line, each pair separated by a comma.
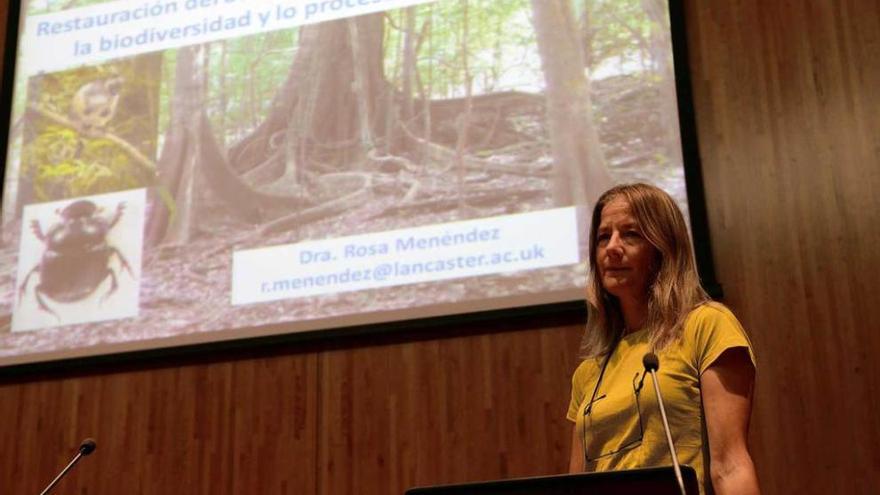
[(85, 448), (652, 364)]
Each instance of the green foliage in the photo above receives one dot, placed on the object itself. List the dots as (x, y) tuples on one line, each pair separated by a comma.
[(169, 64), (615, 29), (501, 47), (60, 162), (36, 7), (61, 166), (489, 43), (243, 76)]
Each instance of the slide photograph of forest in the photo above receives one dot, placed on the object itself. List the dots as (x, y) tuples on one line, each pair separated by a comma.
[(418, 134)]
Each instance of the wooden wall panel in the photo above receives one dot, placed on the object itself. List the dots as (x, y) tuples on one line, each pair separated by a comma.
[(786, 108), (786, 102), (226, 427), (452, 410)]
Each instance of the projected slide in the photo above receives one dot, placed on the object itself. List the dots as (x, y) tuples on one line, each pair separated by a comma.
[(188, 171)]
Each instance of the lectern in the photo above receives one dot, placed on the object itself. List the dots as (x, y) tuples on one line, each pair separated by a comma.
[(648, 481)]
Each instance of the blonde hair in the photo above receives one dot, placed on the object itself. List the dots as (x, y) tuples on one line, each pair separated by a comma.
[(675, 287)]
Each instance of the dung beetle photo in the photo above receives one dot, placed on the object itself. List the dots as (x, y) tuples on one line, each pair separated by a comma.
[(77, 257)]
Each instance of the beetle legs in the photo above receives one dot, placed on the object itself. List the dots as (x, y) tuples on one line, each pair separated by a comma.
[(113, 285), (38, 295), (116, 216), (23, 287), (122, 260), (38, 230)]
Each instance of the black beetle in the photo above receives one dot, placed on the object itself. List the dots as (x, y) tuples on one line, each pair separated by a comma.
[(77, 256)]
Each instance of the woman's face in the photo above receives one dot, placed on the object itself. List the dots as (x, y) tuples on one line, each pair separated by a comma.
[(625, 259)]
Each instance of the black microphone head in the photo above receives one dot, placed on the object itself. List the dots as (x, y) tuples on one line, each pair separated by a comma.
[(651, 362), (87, 446)]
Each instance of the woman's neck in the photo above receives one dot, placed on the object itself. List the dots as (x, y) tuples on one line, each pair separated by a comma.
[(635, 312)]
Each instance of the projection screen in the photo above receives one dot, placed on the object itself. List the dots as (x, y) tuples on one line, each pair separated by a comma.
[(193, 171)]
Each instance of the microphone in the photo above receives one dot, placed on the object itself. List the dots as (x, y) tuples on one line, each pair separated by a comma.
[(652, 364), (85, 448)]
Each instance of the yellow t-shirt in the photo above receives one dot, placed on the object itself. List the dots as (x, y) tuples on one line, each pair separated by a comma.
[(624, 427)]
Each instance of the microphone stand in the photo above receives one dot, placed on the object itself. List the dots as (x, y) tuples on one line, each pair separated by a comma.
[(652, 364), (85, 449)]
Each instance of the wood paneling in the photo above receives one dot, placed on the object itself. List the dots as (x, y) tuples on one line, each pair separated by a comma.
[(450, 410), (230, 427), (364, 419), (785, 100)]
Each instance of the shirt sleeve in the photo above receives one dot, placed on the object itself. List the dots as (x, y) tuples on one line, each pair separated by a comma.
[(577, 395), (578, 380), (715, 330)]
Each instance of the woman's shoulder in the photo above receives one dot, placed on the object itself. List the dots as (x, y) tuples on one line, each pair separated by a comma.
[(711, 328), (711, 321), (586, 371), (710, 312)]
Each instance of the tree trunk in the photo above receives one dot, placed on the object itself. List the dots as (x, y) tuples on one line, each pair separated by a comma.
[(224, 93), (178, 165), (464, 120), (408, 71), (334, 99), (580, 174), (661, 56), (192, 159), (588, 33), (328, 111), (317, 110)]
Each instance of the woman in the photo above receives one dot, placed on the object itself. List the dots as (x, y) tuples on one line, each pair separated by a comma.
[(644, 295)]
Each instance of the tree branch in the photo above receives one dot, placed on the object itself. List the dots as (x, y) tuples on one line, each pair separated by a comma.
[(139, 158)]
